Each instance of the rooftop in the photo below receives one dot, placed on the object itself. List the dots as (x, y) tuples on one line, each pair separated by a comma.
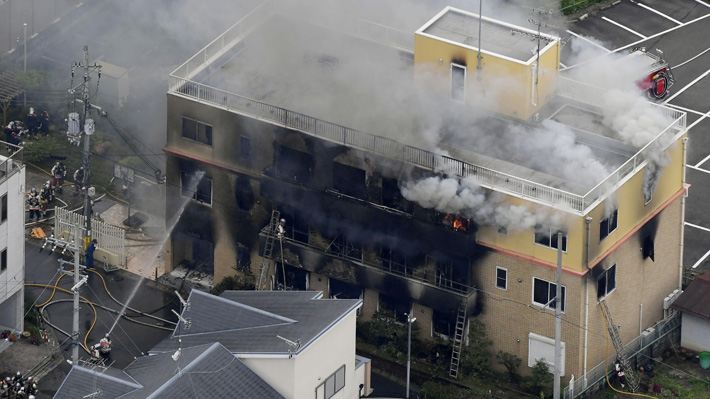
[(694, 300), (350, 82), (256, 320), (497, 37)]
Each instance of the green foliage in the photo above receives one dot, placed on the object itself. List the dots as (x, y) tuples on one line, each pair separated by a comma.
[(573, 6), (38, 151), (476, 359), (510, 362), (31, 79), (390, 336), (30, 314), (431, 390), (540, 381)]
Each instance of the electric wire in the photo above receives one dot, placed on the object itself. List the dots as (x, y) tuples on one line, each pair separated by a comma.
[(119, 326)]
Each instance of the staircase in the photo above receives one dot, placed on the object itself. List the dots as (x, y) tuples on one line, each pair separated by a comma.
[(631, 377), (268, 249), (458, 341)]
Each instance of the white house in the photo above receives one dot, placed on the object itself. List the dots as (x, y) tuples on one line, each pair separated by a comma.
[(12, 239)]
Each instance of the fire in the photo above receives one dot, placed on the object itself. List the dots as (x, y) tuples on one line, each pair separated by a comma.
[(458, 223)]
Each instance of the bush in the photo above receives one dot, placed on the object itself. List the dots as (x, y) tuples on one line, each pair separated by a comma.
[(510, 362), (540, 382), (40, 150), (572, 6), (476, 359)]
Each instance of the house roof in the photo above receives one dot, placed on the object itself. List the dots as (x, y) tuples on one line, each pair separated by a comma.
[(695, 298), (251, 322), (203, 371)]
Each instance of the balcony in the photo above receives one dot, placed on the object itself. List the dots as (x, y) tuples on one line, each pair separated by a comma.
[(9, 165)]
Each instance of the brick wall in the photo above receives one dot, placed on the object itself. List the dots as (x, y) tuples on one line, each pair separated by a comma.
[(369, 304)]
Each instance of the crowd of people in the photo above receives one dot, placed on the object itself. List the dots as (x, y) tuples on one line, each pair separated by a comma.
[(18, 387), (38, 201), (32, 126)]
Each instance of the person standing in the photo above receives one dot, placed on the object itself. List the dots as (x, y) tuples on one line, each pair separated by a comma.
[(620, 373), (33, 200), (78, 180), (90, 254), (44, 120)]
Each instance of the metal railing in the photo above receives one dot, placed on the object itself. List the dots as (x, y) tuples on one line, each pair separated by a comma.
[(9, 165), (181, 84), (111, 238), (598, 373)]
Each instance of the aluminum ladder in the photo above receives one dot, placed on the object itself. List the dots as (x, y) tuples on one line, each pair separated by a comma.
[(631, 377), (458, 341), (268, 249)]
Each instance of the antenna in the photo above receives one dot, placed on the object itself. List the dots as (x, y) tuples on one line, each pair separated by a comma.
[(185, 321), (295, 346), (185, 304)]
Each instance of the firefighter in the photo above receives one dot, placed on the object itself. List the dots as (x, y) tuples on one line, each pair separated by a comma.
[(58, 173), (33, 200), (78, 180), (17, 379), (48, 191), (104, 346), (620, 373), (32, 122), (31, 386), (90, 256), (281, 229), (44, 119), (43, 201)]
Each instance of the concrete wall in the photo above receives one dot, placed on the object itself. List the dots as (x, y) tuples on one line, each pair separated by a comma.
[(695, 333), (38, 14), (13, 278)]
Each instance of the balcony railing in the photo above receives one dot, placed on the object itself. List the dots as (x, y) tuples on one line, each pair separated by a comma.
[(182, 85), (9, 165)]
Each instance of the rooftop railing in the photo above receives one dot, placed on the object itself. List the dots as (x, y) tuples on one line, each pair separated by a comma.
[(181, 83), (9, 165)]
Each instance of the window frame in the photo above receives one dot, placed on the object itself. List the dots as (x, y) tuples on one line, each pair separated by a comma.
[(245, 147), (3, 260), (196, 138), (336, 387), (549, 236), (605, 275), (615, 214), (194, 194), (549, 295), (451, 82), (505, 288), (4, 210)]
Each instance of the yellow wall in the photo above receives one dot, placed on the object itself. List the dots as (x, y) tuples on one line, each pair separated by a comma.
[(503, 86)]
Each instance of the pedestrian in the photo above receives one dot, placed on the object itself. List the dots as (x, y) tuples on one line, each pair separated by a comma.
[(32, 122), (620, 373), (33, 200), (90, 254), (44, 120)]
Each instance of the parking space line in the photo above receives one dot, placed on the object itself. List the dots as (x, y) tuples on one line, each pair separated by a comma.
[(703, 3), (697, 227), (697, 165), (688, 110), (698, 169), (589, 41), (660, 13), (692, 58), (630, 45), (563, 65), (687, 86), (624, 27), (701, 259)]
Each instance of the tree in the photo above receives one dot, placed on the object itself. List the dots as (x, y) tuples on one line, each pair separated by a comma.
[(476, 359), (510, 362), (540, 381)]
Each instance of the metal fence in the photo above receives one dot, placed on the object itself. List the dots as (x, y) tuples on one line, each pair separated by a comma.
[(111, 238), (9, 165), (599, 372)]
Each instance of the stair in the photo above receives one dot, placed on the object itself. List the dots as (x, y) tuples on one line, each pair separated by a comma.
[(631, 377), (458, 341), (268, 249)]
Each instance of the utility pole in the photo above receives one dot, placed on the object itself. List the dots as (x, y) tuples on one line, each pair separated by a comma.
[(558, 319), (410, 320), (24, 92), (75, 320)]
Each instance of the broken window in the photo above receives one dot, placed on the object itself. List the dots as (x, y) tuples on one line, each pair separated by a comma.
[(648, 248), (296, 278), (454, 222), (606, 282), (443, 323), (547, 237), (200, 191), (297, 224), (295, 165), (608, 224), (392, 196), (243, 193), (396, 307), (197, 131), (244, 147), (341, 246), (243, 257), (458, 82), (349, 180), (342, 290), (544, 293), (452, 273), (395, 261)]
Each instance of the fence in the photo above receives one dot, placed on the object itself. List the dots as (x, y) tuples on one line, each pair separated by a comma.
[(598, 373), (11, 164), (111, 238)]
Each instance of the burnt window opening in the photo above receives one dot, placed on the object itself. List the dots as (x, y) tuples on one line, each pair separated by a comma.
[(452, 274), (547, 237), (296, 278), (544, 293), (342, 290), (297, 224), (342, 246), (244, 194), (608, 224), (458, 82), (200, 191), (648, 248), (243, 257), (349, 180), (392, 196), (244, 147), (502, 230), (606, 282), (395, 261), (454, 222), (443, 323), (197, 131), (396, 307), (295, 165)]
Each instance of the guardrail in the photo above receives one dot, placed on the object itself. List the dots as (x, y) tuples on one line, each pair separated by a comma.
[(180, 83), (10, 164)]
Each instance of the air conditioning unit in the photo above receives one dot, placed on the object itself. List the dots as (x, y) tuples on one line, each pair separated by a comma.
[(668, 301), (645, 333)]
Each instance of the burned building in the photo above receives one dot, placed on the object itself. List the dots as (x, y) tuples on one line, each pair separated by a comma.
[(425, 176)]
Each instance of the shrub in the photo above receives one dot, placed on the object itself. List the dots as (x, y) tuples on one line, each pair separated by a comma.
[(510, 362), (540, 381), (476, 359)]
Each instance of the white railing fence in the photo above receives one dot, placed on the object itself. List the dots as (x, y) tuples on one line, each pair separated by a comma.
[(111, 238)]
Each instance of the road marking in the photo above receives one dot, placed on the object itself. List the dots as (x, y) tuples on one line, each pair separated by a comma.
[(706, 73), (701, 259), (691, 111), (660, 13), (624, 27), (687, 61), (662, 33), (589, 41), (697, 227), (563, 65), (698, 169), (697, 165), (703, 3)]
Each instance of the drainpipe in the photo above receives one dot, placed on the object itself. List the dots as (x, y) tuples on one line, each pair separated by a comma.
[(682, 215), (586, 300)]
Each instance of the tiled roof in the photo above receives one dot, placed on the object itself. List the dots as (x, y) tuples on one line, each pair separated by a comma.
[(695, 298)]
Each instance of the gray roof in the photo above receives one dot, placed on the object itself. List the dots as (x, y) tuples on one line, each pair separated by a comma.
[(200, 372), (250, 321)]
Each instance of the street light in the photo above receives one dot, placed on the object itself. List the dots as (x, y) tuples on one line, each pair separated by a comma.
[(24, 93), (410, 320)]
